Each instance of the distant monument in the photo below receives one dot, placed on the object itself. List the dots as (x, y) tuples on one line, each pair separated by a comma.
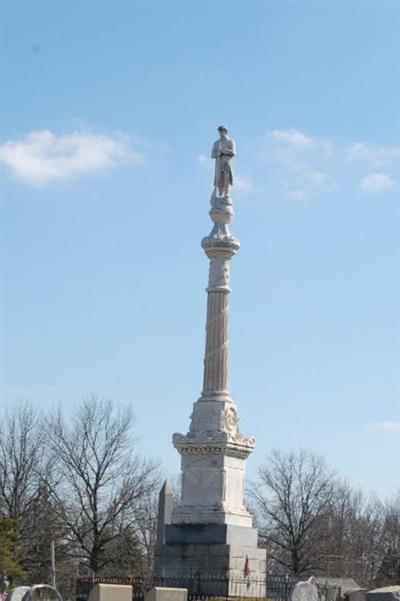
[(165, 508), (210, 544)]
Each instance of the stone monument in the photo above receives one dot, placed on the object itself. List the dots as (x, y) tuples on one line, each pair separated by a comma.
[(37, 592), (305, 591), (110, 592), (211, 531)]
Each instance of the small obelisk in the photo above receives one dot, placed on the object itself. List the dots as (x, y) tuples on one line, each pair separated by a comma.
[(211, 531)]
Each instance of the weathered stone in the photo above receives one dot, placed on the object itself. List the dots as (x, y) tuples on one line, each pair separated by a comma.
[(187, 564), (163, 593), (344, 587), (305, 591), (211, 530), (19, 593), (214, 450), (223, 151), (165, 508), (111, 592), (44, 592), (38, 592), (208, 534)]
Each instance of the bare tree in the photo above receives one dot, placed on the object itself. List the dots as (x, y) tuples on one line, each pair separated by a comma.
[(146, 514), (354, 534), (98, 477), (21, 457), (292, 498), (24, 498), (389, 569)]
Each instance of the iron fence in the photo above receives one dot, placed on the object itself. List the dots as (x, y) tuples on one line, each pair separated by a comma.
[(213, 586)]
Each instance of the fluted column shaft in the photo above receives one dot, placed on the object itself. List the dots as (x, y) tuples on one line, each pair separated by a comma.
[(215, 381), (220, 246)]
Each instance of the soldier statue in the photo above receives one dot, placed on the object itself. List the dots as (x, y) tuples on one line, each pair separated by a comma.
[(223, 152)]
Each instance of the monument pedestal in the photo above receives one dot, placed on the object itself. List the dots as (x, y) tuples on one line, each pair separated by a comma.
[(210, 546), (213, 569)]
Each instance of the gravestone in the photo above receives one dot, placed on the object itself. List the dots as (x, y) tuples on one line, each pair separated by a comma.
[(44, 592), (18, 593), (38, 592), (111, 592), (340, 587), (305, 591), (161, 593)]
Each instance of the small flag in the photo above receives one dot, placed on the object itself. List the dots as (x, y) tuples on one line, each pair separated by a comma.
[(246, 570)]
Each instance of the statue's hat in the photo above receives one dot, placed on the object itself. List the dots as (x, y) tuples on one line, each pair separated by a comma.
[(222, 128)]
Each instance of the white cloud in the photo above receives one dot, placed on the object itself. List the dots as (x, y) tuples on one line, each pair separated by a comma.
[(297, 194), (43, 157), (299, 163), (244, 184), (203, 159), (377, 182), (315, 177), (376, 156), (292, 137), (388, 426), (299, 166)]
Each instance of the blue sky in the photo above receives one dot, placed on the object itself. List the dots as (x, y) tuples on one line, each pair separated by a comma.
[(110, 112)]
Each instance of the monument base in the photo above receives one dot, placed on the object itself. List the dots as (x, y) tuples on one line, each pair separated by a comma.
[(212, 559), (210, 534)]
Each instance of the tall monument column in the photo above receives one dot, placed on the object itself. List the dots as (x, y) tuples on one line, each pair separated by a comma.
[(211, 531)]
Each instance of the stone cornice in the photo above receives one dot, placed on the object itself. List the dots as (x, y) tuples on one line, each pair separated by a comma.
[(220, 443)]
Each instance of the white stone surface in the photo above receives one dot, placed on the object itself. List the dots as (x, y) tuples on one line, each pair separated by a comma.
[(38, 592), (44, 592), (164, 593), (223, 152), (211, 531), (305, 591), (18, 593), (111, 592), (212, 490), (214, 451)]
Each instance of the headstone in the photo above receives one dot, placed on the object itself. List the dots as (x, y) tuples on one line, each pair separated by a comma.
[(44, 592), (38, 592), (111, 592), (387, 593), (19, 593), (340, 587), (305, 591), (165, 508), (161, 593)]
